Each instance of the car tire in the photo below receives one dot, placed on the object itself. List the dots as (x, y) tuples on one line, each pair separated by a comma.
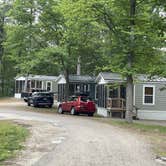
[(72, 112), (50, 106), (90, 114), (28, 103), (60, 111), (35, 105)]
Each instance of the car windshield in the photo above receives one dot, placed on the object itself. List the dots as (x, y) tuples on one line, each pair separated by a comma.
[(43, 94), (85, 98)]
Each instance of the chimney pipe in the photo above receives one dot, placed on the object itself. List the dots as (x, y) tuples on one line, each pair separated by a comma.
[(78, 66)]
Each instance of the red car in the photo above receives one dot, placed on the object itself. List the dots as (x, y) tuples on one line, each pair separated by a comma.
[(78, 104)]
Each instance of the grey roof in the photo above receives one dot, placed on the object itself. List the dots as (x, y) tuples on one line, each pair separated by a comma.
[(111, 76), (38, 77), (78, 78), (146, 78), (82, 78), (115, 77)]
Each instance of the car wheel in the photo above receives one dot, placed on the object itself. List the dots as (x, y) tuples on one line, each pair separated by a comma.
[(50, 106), (72, 112), (90, 114), (60, 111), (28, 103), (35, 105)]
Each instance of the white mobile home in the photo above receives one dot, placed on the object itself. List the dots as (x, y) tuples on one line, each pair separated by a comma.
[(149, 98), (42, 82)]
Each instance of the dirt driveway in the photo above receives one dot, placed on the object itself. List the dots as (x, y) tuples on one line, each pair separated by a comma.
[(64, 140)]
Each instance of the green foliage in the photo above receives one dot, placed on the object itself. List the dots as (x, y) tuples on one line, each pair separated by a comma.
[(47, 37), (6, 76), (11, 137), (82, 35), (146, 41)]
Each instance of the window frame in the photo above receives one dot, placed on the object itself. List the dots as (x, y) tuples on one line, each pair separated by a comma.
[(148, 86), (50, 85), (39, 82)]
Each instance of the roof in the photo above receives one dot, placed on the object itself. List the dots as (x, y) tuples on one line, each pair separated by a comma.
[(106, 77), (38, 77), (111, 76), (146, 78), (81, 78), (76, 79)]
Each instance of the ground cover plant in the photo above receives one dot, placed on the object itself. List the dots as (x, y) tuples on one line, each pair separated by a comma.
[(11, 138)]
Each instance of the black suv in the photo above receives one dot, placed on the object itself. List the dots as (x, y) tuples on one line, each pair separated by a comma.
[(41, 99), (25, 95)]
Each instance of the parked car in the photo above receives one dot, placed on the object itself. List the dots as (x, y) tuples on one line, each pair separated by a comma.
[(41, 99), (78, 104), (25, 95)]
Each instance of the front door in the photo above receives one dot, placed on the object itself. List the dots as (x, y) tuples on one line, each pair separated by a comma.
[(123, 92)]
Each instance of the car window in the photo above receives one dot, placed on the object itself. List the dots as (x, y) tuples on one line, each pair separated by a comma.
[(85, 98), (72, 98), (46, 94), (34, 94), (42, 94)]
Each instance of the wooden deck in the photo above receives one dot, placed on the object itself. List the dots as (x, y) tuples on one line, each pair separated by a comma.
[(116, 105)]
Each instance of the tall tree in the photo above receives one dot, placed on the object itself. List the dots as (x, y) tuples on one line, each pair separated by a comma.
[(22, 34), (5, 5), (69, 37), (135, 31), (84, 35), (135, 42)]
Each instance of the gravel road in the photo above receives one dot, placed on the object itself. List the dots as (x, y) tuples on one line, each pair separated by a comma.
[(64, 140)]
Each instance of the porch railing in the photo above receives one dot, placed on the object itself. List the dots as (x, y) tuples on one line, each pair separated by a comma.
[(116, 104)]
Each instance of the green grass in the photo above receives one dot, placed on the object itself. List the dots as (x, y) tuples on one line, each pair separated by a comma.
[(11, 138), (149, 128)]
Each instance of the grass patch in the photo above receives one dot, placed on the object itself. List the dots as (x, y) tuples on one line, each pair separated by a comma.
[(40, 109), (11, 137), (155, 133), (136, 126)]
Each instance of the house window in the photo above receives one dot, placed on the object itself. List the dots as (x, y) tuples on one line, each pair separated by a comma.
[(86, 88), (77, 88), (113, 93), (149, 95), (32, 83), (39, 84), (49, 86)]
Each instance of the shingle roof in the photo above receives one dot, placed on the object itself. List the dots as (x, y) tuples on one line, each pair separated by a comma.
[(81, 78), (76, 78), (115, 77), (38, 77), (146, 78), (111, 76)]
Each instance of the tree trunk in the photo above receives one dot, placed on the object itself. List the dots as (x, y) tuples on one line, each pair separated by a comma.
[(67, 85), (2, 34), (129, 88), (129, 97)]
